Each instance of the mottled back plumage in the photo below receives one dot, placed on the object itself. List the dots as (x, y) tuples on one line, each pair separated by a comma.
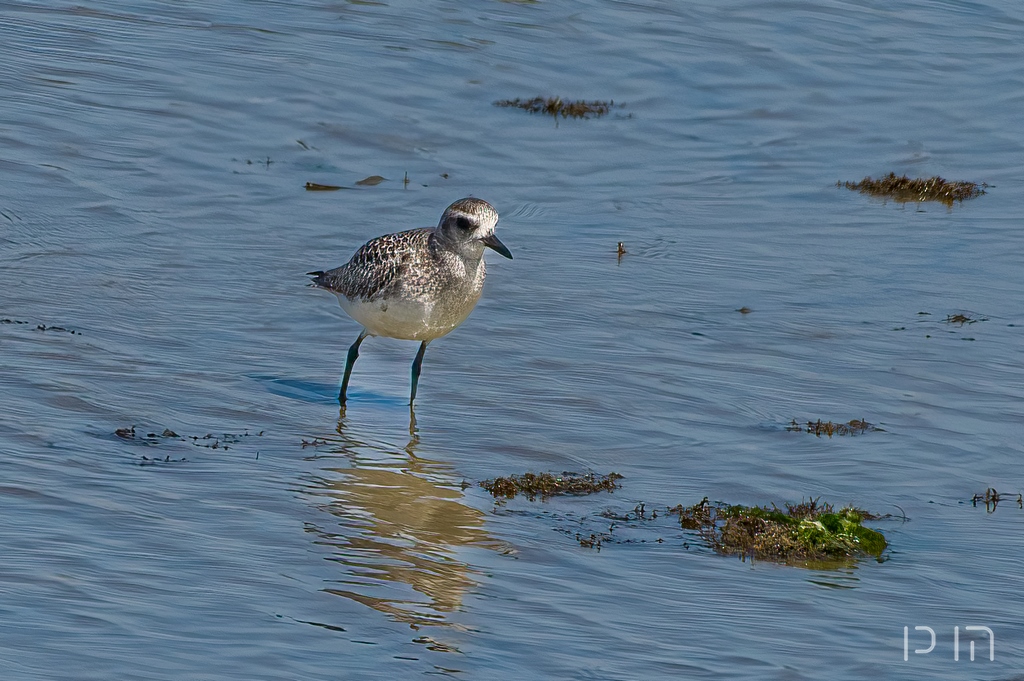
[(381, 266)]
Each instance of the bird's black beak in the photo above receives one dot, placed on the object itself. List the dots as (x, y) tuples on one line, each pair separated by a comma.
[(492, 241)]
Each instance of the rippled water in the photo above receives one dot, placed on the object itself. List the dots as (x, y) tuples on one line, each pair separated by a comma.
[(153, 219)]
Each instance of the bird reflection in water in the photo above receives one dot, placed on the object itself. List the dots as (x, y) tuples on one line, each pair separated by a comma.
[(400, 527)]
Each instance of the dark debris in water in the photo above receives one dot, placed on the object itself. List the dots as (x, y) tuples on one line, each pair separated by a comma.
[(557, 107), (819, 427), (991, 499), (209, 441), (261, 162), (957, 320), (808, 533), (903, 189), (42, 327), (148, 438), (639, 526), (639, 513), (545, 485), (61, 329), (593, 541), (435, 645), (221, 441), (146, 461), (961, 319)]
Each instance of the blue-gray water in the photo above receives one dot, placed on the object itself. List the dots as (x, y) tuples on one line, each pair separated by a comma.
[(152, 163)]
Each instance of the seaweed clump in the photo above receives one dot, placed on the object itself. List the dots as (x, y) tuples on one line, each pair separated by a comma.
[(556, 106), (544, 485), (805, 533), (903, 189), (819, 427)]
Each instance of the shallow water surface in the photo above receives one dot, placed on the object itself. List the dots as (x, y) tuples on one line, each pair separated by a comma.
[(155, 232)]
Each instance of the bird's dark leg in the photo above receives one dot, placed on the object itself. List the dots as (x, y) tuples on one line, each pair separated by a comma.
[(416, 363), (353, 353)]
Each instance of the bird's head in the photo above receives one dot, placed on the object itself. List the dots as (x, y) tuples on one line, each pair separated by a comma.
[(469, 224)]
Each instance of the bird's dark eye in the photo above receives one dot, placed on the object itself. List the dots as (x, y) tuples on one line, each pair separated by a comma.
[(463, 223)]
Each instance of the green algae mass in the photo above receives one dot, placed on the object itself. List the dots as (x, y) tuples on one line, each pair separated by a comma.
[(808, 533), (840, 534)]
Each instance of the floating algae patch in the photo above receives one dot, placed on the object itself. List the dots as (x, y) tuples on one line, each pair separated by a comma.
[(809, 534), (903, 189), (556, 106), (371, 181), (961, 319), (544, 485), (819, 427)]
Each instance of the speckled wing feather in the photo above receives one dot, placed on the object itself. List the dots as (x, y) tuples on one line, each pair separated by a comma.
[(378, 267)]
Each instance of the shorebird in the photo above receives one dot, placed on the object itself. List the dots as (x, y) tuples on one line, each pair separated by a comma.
[(416, 285)]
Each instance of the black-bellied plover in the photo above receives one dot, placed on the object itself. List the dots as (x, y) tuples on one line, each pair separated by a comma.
[(416, 285)]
